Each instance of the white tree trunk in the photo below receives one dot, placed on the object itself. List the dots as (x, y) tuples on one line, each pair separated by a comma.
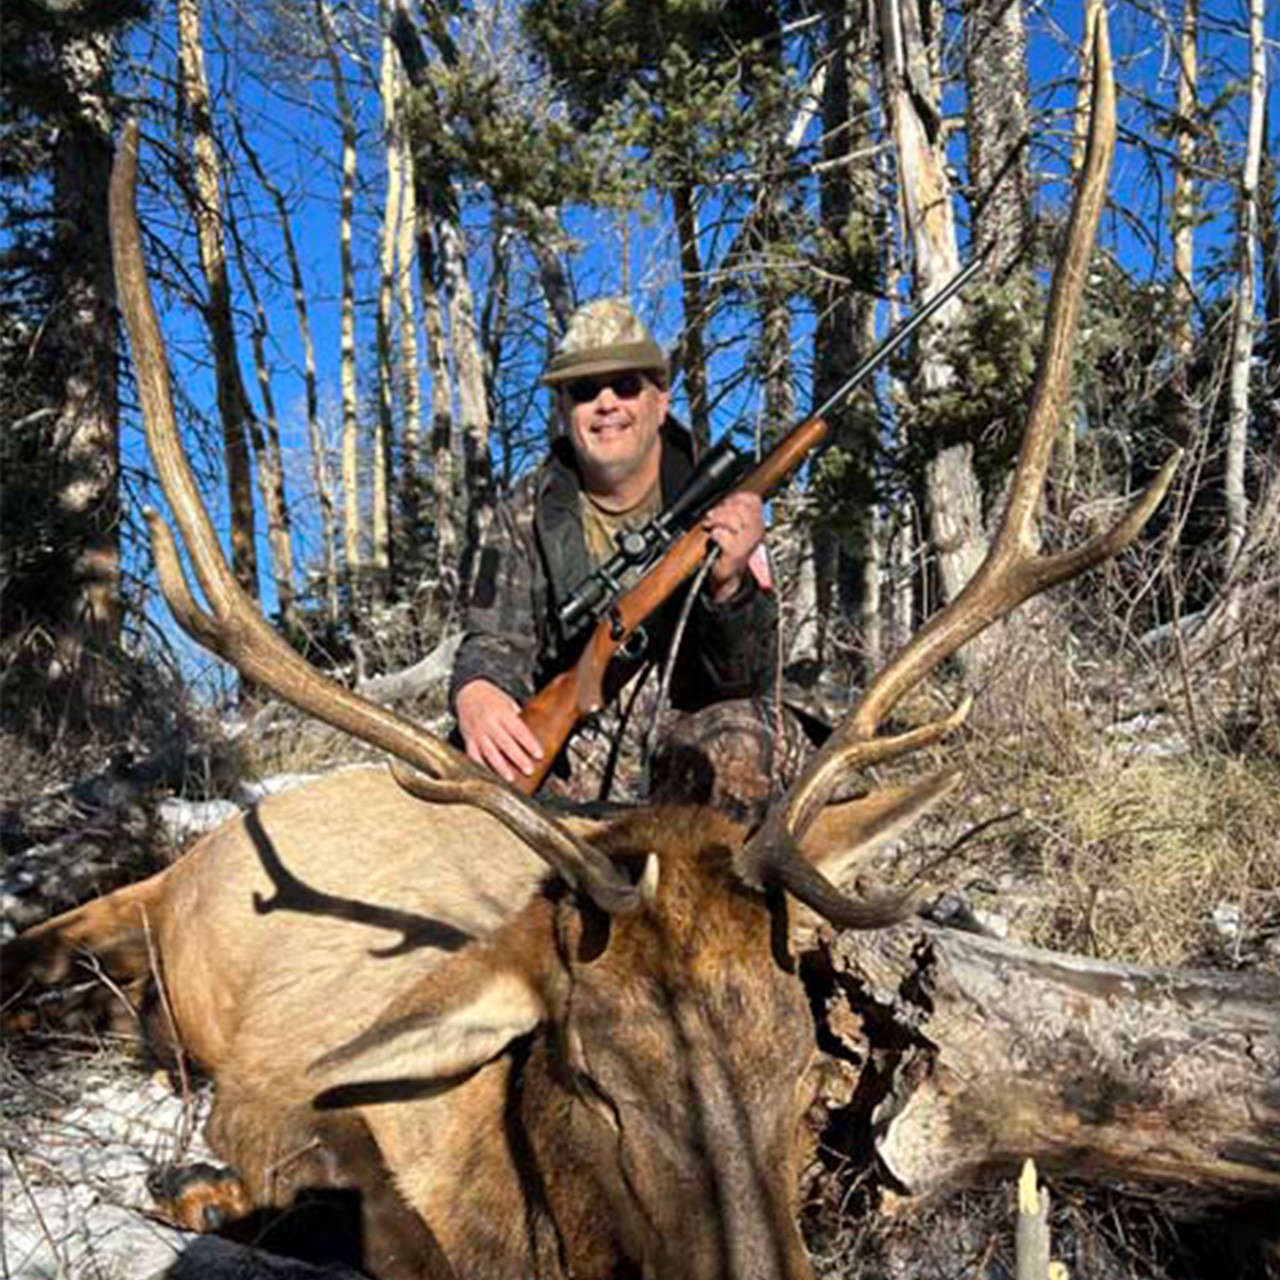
[(1184, 190), (350, 420), (473, 402), (955, 498), (380, 555), (233, 404), (1237, 502), (410, 368)]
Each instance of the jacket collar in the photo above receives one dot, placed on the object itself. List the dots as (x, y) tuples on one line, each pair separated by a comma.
[(558, 505)]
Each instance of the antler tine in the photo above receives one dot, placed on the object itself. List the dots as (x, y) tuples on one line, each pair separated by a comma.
[(233, 628), (1012, 571)]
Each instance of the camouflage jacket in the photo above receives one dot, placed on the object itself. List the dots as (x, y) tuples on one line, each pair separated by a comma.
[(535, 554)]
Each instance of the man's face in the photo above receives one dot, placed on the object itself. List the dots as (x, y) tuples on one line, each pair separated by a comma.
[(614, 421)]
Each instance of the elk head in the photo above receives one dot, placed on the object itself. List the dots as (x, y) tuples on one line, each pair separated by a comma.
[(658, 1099)]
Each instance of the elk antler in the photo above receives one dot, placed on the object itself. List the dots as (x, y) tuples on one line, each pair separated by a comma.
[(235, 630), (1012, 572)]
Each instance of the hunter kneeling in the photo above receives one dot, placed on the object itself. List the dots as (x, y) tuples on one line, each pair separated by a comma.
[(618, 462)]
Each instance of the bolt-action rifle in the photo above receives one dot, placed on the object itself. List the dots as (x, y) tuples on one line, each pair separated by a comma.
[(670, 548)]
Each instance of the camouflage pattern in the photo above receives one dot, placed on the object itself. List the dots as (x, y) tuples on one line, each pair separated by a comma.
[(534, 555), (605, 336), (737, 755)]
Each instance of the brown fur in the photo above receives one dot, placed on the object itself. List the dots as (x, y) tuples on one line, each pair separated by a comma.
[(392, 1003)]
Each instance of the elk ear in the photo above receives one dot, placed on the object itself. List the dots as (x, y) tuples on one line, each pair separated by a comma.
[(432, 1039), (845, 833)]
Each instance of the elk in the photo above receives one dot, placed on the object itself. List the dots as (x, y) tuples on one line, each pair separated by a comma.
[(524, 1044)]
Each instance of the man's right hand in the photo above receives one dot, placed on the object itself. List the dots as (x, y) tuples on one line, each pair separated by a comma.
[(494, 734)]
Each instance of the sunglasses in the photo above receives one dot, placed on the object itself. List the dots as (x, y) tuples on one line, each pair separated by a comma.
[(626, 386)]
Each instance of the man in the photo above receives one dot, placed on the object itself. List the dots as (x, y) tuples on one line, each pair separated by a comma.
[(619, 461)]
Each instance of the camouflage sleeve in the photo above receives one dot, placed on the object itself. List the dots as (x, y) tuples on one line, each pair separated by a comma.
[(736, 643), (500, 639)]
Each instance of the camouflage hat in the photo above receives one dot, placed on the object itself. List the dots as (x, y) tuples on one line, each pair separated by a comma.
[(604, 336)]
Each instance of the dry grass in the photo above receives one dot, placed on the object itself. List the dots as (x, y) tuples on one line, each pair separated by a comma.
[(285, 741), (1164, 860), (1088, 827), (1099, 1234)]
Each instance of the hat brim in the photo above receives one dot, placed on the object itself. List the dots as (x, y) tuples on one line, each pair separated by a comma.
[(640, 357)]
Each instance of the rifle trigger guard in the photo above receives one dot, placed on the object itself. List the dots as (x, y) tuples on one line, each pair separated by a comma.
[(636, 643)]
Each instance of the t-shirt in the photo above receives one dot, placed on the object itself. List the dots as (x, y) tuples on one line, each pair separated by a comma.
[(601, 528)]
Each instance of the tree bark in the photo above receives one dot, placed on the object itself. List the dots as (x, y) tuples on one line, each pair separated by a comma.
[(693, 358), (473, 396), (352, 553), (86, 431), (410, 486), (443, 448), (955, 497), (997, 118), (233, 403), (1237, 501), (315, 436), (972, 1055), (384, 432)]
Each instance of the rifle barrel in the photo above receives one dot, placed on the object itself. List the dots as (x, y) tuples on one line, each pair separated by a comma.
[(901, 334)]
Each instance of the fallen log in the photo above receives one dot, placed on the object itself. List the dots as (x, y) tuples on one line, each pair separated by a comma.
[(971, 1055)]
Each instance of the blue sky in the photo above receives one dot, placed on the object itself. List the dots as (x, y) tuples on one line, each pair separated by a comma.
[(292, 126)]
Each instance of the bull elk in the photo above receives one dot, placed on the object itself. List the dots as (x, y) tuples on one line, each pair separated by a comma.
[(523, 1044)]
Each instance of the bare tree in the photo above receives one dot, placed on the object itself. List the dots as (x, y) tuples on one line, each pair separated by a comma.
[(998, 119), (1184, 191), (388, 239), (353, 559), (315, 435), (693, 355), (410, 479), (1237, 502), (844, 550), (270, 461), (924, 190), (438, 200), (233, 403)]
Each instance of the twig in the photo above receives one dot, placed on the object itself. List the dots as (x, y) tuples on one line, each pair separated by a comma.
[(184, 1082), (35, 1209)]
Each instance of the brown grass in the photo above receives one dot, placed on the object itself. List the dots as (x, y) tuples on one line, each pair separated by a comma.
[(1138, 857)]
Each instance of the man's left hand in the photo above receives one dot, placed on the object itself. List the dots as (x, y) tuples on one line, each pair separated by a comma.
[(736, 526)]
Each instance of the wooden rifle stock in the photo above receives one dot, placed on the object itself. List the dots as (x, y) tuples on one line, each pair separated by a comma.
[(555, 711), (560, 706)]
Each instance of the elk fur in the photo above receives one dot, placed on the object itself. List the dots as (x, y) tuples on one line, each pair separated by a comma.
[(392, 994)]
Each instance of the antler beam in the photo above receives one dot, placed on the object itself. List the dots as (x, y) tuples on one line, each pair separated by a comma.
[(234, 629), (1012, 572)]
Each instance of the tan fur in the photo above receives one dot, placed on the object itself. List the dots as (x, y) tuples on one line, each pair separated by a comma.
[(348, 955)]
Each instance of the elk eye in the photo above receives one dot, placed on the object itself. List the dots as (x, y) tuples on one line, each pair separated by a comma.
[(593, 939)]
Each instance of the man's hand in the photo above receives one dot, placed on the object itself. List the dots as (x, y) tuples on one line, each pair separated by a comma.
[(493, 732), (736, 526)]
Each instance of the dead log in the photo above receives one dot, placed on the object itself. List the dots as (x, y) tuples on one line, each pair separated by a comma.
[(972, 1054)]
